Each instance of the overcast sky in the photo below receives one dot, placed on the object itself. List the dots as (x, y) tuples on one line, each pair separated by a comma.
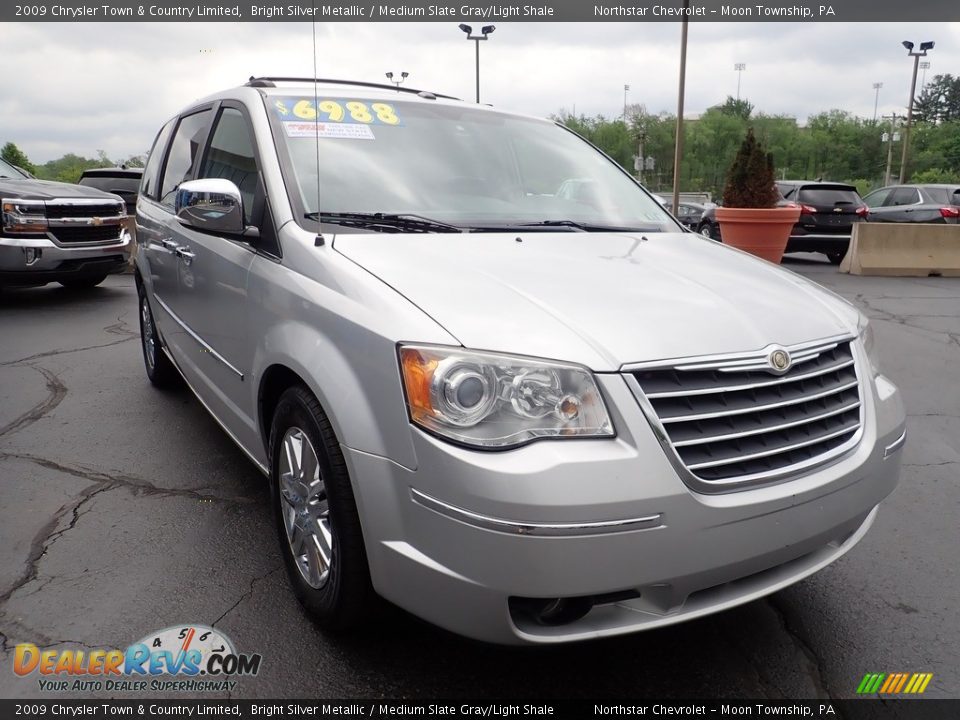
[(84, 86)]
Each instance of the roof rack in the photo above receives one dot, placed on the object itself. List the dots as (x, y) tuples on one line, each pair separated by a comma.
[(272, 82)]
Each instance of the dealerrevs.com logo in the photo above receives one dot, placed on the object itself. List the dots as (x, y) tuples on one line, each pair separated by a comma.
[(185, 658)]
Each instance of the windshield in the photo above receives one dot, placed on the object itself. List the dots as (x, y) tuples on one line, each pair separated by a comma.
[(9, 171), (459, 165)]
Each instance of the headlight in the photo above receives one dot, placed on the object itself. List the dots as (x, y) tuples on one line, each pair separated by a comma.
[(24, 216), (498, 401), (865, 331)]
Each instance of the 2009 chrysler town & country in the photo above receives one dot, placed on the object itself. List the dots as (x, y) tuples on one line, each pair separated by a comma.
[(526, 416)]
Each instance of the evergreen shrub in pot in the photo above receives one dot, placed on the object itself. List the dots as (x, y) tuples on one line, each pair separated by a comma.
[(750, 219)]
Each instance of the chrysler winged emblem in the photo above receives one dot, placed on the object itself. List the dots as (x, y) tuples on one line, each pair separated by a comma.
[(779, 360)]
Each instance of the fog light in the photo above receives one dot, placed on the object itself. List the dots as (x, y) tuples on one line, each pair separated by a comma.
[(32, 255)]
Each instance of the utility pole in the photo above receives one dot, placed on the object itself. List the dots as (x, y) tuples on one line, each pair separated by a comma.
[(891, 137), (641, 159)]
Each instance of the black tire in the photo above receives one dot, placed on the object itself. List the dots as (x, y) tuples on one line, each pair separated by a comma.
[(160, 370), (345, 597), (835, 258), (83, 283), (709, 230)]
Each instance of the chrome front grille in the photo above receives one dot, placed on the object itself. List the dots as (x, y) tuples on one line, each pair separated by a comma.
[(732, 420)]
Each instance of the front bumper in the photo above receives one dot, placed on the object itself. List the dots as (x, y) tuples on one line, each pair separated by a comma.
[(466, 538), (57, 261)]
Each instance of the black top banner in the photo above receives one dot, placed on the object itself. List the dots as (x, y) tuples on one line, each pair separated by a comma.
[(472, 10), (914, 709)]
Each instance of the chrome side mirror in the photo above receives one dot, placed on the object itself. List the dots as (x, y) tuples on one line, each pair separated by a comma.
[(212, 205)]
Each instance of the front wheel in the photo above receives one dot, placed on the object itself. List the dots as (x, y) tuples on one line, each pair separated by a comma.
[(708, 231), (84, 283), (316, 514)]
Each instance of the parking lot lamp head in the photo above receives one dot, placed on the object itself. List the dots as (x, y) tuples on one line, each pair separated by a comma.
[(469, 30), (403, 76), (906, 43)]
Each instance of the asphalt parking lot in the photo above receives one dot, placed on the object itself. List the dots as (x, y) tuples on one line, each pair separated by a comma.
[(126, 510)]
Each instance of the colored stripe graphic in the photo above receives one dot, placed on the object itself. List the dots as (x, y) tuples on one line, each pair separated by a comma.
[(862, 687), (894, 683)]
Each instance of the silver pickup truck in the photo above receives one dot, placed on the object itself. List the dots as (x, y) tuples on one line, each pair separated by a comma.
[(56, 232)]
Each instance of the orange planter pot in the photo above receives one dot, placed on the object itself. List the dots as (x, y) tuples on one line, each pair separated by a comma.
[(759, 231)]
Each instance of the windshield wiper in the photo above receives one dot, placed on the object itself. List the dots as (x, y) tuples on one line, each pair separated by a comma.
[(385, 222), (589, 227)]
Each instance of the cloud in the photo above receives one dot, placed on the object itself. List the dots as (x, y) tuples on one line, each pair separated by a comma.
[(72, 87)]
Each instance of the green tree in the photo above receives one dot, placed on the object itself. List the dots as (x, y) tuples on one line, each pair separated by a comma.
[(939, 101), (15, 156), (68, 168), (736, 107)]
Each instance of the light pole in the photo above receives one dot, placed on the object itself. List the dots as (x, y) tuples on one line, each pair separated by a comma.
[(403, 76), (681, 89), (876, 100), (924, 47), (925, 65), (626, 89), (484, 32), (739, 68)]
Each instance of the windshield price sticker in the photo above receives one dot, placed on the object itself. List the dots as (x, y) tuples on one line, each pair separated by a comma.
[(336, 110), (350, 131)]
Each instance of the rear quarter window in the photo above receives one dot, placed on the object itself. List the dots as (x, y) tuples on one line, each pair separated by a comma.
[(938, 195)]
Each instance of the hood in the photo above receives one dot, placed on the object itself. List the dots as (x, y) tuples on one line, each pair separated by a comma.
[(27, 189), (599, 299)]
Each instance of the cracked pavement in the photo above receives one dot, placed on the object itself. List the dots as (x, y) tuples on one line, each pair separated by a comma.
[(127, 510)]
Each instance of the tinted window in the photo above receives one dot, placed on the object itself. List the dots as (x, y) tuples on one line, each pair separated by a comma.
[(876, 198), (828, 197), (9, 171), (148, 186), (111, 183), (184, 153), (786, 190), (231, 156), (904, 196), (938, 195)]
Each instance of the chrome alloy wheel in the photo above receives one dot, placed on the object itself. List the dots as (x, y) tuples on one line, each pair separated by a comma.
[(146, 329), (305, 509)]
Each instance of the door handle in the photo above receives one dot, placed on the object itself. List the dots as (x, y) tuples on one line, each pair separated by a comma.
[(170, 244), (183, 252)]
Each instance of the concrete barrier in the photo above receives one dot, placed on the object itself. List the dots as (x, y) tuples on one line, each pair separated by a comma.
[(903, 249)]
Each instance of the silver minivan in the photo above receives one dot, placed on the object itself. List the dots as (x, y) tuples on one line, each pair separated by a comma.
[(525, 414)]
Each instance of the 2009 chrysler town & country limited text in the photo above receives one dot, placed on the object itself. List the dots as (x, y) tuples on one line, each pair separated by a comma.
[(525, 416)]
